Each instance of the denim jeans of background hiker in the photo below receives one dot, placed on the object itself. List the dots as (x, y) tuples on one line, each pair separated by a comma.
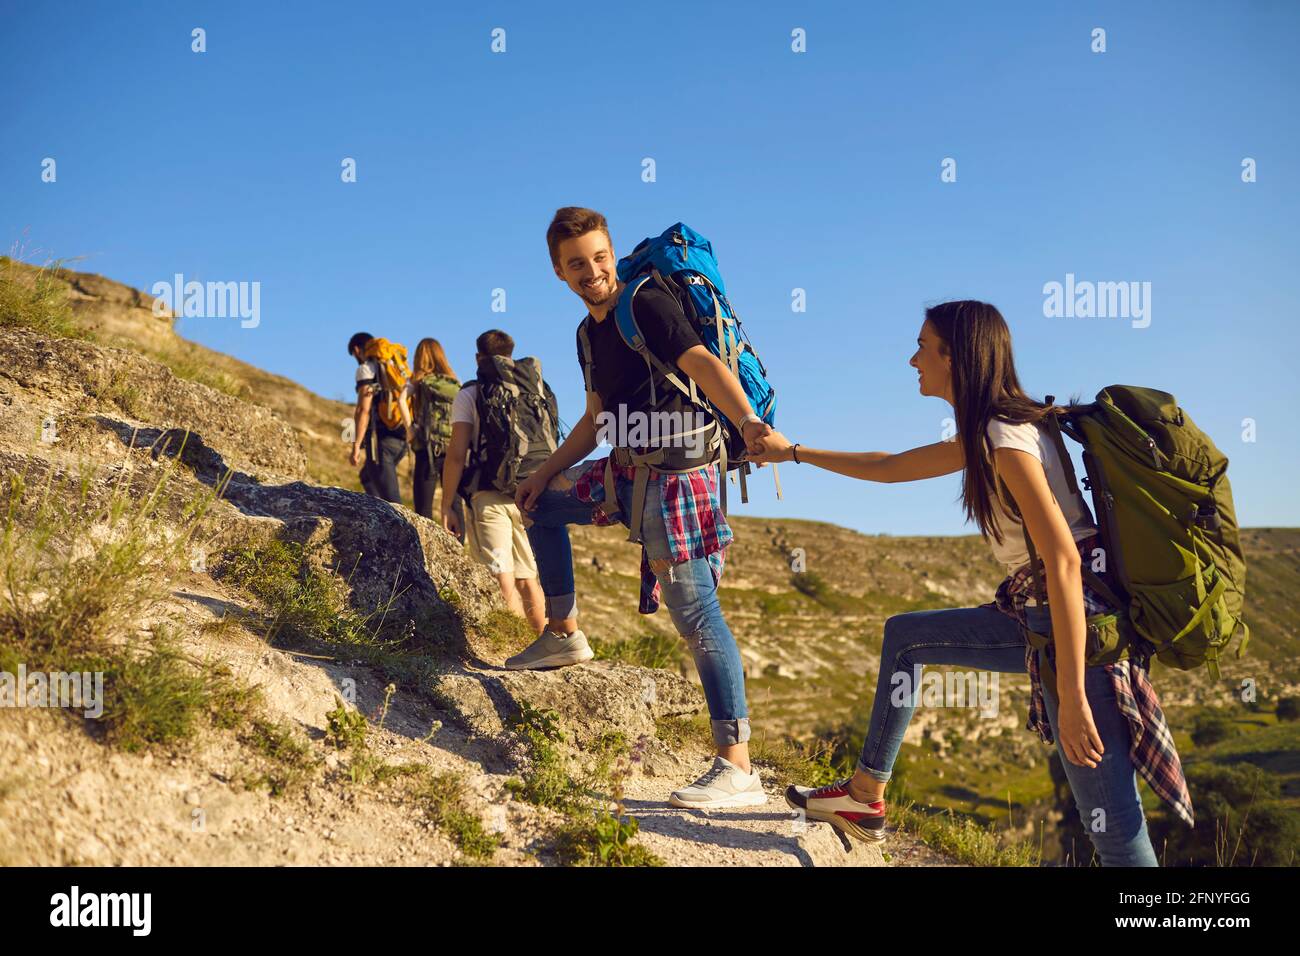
[(425, 482), (379, 478), (688, 590), (981, 638)]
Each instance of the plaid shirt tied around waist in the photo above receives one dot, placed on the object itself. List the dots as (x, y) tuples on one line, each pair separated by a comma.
[(1151, 747), (692, 516)]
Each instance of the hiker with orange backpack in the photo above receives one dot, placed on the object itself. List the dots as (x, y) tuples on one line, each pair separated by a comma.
[(1086, 603), (659, 349), (382, 419)]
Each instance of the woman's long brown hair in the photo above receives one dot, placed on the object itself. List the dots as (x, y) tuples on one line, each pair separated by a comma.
[(430, 359), (984, 385)]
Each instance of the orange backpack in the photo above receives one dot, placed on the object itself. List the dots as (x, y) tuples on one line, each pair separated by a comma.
[(394, 373)]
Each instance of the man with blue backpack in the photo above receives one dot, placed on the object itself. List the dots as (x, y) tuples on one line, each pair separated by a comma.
[(681, 398)]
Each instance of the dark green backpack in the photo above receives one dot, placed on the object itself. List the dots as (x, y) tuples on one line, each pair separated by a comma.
[(518, 425), (1164, 511), (434, 395)]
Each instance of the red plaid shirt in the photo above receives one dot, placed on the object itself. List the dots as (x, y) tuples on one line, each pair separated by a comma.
[(1151, 748), (692, 515)]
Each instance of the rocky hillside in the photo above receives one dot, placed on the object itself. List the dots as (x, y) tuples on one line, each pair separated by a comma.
[(117, 315), (294, 672)]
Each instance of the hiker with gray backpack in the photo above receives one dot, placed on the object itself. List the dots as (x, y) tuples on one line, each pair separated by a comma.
[(504, 424), (1085, 605), (430, 392), (680, 396)]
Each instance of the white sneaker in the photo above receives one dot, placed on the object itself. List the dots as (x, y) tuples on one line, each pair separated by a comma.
[(552, 650), (724, 785)]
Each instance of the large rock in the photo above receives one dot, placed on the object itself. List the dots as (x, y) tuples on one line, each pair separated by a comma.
[(590, 699)]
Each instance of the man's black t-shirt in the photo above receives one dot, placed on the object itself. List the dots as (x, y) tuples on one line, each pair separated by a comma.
[(619, 375)]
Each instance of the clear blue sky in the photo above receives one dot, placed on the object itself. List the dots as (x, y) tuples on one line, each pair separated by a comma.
[(818, 171)]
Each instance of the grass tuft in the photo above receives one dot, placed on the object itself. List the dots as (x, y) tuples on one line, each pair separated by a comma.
[(36, 300)]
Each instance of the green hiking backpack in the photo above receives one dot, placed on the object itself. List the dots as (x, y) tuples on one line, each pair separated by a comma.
[(434, 395), (1166, 521)]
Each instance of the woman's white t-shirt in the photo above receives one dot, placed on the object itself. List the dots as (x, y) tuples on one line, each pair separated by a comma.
[(1032, 438)]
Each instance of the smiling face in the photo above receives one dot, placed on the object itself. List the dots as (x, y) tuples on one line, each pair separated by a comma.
[(586, 263), (933, 363)]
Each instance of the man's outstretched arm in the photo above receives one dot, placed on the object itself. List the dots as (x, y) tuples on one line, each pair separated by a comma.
[(721, 388)]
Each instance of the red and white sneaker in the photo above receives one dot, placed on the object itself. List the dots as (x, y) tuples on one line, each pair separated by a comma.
[(832, 803)]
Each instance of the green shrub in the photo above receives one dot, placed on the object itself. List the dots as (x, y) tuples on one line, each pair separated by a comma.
[(1241, 820), (288, 758), (344, 728), (1210, 726), (80, 565), (603, 839), (443, 797), (305, 602)]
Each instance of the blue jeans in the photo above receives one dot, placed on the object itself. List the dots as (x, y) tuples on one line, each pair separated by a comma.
[(379, 478), (985, 639), (687, 588)]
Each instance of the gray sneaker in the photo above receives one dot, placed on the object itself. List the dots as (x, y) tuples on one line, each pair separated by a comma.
[(723, 785), (552, 650)]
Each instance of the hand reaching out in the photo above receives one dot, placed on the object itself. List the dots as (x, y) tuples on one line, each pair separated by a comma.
[(754, 433), (770, 448)]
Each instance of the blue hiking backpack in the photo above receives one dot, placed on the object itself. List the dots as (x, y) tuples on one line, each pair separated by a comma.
[(681, 261)]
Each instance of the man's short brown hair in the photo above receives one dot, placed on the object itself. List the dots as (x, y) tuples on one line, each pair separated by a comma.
[(571, 222), (495, 342)]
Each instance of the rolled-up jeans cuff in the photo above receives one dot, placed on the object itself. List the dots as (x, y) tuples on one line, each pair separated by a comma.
[(727, 733), (881, 775), (561, 607)]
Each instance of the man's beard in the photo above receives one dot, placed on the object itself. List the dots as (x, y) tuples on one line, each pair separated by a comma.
[(586, 297)]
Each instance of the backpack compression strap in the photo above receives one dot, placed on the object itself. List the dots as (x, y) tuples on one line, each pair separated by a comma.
[(625, 319)]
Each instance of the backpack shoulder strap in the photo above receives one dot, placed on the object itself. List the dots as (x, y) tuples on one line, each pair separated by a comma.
[(1053, 425), (584, 343), (625, 319)]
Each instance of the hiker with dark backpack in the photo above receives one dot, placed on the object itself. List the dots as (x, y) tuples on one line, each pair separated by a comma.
[(382, 418), (504, 424), (1085, 604), (430, 393), (678, 417)]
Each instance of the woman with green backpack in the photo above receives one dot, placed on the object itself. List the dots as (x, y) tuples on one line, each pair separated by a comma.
[(432, 388), (1105, 719)]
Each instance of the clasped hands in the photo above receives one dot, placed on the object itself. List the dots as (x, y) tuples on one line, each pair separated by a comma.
[(765, 445)]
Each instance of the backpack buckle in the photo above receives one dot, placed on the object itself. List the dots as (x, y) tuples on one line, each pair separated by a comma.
[(1207, 516)]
